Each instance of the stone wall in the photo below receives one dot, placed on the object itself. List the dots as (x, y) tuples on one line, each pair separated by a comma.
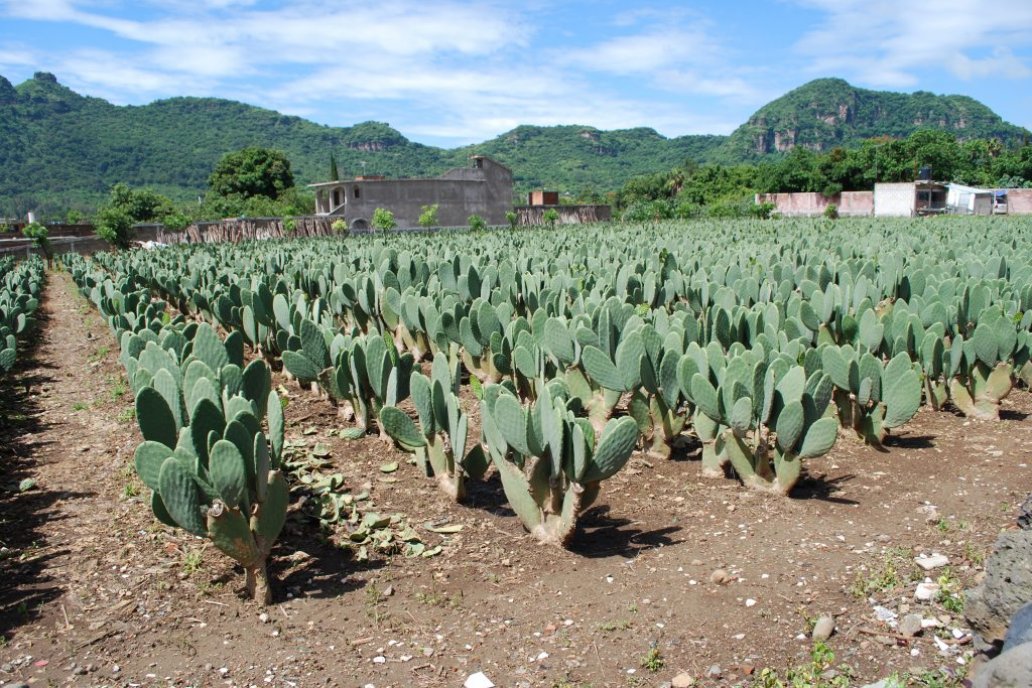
[(1019, 201), (247, 229), (804, 204), (568, 214)]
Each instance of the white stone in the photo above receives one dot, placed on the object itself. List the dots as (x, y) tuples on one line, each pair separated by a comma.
[(935, 561), (926, 591), (478, 680)]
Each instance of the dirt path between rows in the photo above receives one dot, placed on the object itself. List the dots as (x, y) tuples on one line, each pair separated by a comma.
[(95, 592)]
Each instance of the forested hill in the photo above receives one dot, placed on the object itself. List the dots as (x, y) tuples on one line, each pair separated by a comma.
[(828, 113), (59, 149)]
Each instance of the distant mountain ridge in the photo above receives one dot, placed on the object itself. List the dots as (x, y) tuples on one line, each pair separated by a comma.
[(59, 148)]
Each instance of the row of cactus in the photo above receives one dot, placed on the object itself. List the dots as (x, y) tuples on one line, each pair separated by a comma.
[(213, 469), (21, 284)]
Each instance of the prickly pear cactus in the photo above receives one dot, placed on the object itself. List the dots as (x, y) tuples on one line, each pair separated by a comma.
[(440, 438), (551, 463), (872, 398), (981, 369), (219, 476), (772, 417)]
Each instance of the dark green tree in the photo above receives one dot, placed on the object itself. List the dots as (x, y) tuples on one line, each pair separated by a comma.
[(334, 173), (250, 172)]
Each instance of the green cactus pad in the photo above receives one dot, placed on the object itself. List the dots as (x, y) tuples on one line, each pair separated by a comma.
[(229, 530), (558, 341), (181, 497), (274, 413), (160, 512), (155, 418), (741, 415), (208, 348), (262, 466), (790, 425), (902, 391), (986, 348), (820, 438), (300, 366), (706, 397), (206, 419), (167, 386), (149, 457), (401, 429), (511, 421), (836, 366), (601, 369), (228, 471), (614, 449), (272, 512), (256, 383), (313, 345)]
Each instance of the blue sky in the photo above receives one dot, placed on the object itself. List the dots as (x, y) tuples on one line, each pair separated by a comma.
[(450, 72)]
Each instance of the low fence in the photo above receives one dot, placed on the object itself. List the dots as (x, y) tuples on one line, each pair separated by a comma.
[(248, 229), (568, 214), (808, 204), (83, 240)]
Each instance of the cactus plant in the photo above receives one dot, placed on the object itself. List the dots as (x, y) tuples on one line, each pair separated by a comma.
[(981, 369), (872, 398), (439, 441), (772, 418), (551, 464), (218, 478)]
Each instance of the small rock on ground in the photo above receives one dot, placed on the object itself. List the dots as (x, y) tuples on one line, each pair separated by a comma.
[(910, 625), (823, 628)]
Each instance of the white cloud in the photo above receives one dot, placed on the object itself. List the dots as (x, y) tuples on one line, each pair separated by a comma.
[(885, 43)]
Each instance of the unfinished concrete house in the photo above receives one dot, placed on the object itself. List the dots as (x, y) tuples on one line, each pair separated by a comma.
[(484, 188)]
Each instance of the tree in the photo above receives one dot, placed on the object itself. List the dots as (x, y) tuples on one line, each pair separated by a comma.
[(428, 218), (40, 236), (250, 172), (383, 220), (334, 173), (114, 226), (127, 206)]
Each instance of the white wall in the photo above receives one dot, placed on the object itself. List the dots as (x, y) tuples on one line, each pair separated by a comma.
[(894, 200)]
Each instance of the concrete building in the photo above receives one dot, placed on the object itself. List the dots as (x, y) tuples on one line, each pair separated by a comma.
[(484, 188), (540, 197), (907, 199), (967, 200)]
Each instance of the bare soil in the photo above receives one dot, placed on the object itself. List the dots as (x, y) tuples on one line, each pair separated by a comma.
[(96, 592)]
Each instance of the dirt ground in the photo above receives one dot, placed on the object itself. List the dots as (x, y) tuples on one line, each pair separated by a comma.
[(716, 582)]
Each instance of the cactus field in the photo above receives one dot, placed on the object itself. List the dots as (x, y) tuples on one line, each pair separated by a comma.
[(609, 455)]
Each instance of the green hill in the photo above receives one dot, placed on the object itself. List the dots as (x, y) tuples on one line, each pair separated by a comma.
[(826, 113), (60, 149)]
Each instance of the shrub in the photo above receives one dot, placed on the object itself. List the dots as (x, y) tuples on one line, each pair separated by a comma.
[(550, 216), (476, 223), (831, 211), (764, 211), (383, 220), (428, 218), (115, 226), (175, 221), (512, 218), (340, 227), (39, 234), (289, 226)]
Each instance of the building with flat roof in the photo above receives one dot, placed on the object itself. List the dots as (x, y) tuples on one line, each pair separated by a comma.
[(484, 188)]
